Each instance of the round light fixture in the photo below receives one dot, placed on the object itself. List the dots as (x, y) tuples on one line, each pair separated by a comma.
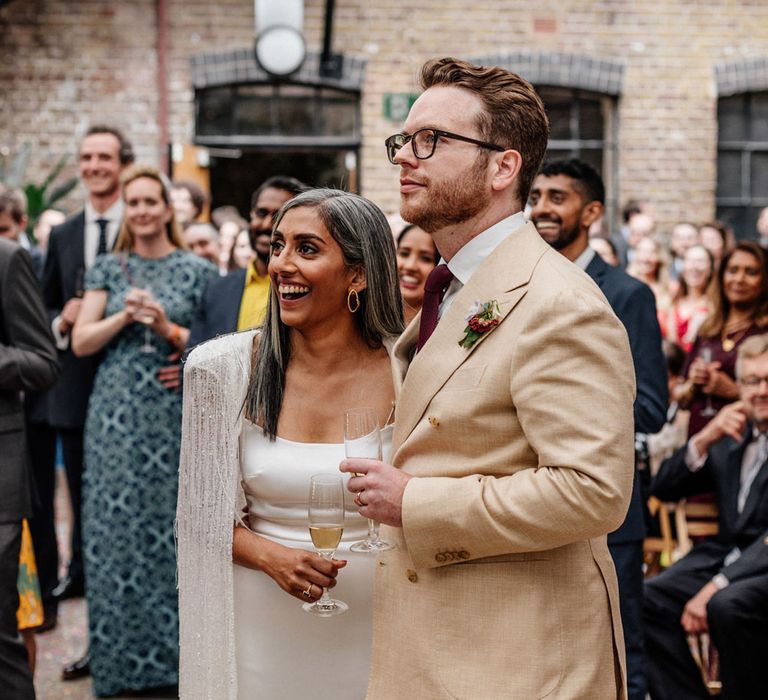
[(280, 49)]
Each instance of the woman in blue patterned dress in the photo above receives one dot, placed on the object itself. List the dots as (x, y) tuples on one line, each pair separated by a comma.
[(138, 305)]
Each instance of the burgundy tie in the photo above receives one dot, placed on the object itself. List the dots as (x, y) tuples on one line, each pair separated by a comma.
[(434, 291)]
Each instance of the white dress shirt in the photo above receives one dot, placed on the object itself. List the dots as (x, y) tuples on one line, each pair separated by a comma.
[(114, 216), (473, 253)]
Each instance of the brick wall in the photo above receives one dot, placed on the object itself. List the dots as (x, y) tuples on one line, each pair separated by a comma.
[(64, 65)]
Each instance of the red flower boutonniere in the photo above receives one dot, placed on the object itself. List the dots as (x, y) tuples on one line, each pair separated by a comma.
[(481, 319)]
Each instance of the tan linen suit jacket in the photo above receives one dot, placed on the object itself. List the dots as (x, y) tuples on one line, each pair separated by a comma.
[(502, 585)]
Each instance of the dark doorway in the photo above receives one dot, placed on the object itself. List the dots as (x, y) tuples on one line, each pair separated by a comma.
[(233, 179)]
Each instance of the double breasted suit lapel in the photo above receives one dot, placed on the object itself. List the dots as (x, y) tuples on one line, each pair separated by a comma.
[(503, 276)]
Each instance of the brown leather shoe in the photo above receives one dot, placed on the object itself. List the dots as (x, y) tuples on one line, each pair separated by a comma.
[(78, 669)]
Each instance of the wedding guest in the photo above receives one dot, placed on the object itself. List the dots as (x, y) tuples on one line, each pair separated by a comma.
[(203, 240), (263, 411), (740, 311), (13, 222), (512, 453), (717, 238), (721, 585), (649, 266), (683, 236), (416, 258), (693, 301), (188, 200), (229, 222), (137, 308), (242, 254), (640, 226), (27, 363), (605, 248), (73, 248)]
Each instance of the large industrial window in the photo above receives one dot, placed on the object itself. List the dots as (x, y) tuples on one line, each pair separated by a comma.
[(742, 160)]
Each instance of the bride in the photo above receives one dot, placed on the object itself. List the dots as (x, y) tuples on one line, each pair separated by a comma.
[(263, 411)]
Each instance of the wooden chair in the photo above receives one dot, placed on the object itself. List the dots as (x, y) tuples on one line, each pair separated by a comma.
[(699, 520), (658, 551), (694, 520)]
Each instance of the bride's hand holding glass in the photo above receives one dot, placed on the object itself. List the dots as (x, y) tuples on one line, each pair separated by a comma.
[(299, 572)]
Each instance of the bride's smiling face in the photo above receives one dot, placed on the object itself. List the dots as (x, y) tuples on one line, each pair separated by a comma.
[(308, 271)]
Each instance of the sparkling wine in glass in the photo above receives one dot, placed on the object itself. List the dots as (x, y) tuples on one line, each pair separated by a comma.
[(362, 439), (706, 355), (147, 320), (326, 525)]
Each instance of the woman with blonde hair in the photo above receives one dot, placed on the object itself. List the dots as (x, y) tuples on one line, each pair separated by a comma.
[(137, 308)]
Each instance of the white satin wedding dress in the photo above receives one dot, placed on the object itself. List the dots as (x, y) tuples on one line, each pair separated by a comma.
[(281, 650)]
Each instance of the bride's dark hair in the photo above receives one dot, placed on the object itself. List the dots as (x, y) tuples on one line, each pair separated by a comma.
[(365, 239)]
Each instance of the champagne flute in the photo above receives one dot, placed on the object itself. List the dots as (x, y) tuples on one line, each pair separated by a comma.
[(362, 439), (326, 525), (706, 355), (147, 320)]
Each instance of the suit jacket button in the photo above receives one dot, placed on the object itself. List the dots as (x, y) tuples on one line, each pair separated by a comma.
[(463, 554), (412, 575), (434, 421)]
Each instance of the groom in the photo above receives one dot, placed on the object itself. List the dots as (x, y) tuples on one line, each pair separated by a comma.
[(513, 446)]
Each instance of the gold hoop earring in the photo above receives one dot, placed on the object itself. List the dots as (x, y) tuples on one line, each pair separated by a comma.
[(350, 295)]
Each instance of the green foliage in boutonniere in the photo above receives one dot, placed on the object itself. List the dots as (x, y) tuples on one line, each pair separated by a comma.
[(481, 319)]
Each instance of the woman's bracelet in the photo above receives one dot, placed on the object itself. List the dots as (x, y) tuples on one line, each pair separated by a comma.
[(174, 334)]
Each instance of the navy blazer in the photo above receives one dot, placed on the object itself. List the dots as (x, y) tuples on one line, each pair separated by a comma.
[(633, 302), (63, 273), (27, 363), (721, 473), (219, 309)]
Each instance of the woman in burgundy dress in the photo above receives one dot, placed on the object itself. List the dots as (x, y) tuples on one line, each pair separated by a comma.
[(741, 310)]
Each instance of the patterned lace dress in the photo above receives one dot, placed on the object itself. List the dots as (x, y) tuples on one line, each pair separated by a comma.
[(132, 437)]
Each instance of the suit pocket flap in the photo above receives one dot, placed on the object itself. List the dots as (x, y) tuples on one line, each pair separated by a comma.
[(504, 558)]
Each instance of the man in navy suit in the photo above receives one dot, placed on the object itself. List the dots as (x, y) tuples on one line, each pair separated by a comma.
[(566, 198), (72, 249), (239, 300), (721, 585)]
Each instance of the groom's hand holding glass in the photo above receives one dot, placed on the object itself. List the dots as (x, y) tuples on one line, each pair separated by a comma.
[(378, 490)]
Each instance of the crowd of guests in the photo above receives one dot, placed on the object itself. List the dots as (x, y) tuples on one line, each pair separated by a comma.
[(138, 277), (711, 296)]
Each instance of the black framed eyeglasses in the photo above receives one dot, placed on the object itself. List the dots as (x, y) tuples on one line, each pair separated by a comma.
[(424, 142)]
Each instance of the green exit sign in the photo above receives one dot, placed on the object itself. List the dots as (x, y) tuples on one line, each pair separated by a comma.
[(398, 104)]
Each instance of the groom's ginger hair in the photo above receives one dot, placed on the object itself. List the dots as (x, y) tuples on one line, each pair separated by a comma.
[(513, 115)]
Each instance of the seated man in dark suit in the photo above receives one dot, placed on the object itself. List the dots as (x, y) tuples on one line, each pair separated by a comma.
[(27, 363), (721, 585), (239, 300), (567, 197)]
